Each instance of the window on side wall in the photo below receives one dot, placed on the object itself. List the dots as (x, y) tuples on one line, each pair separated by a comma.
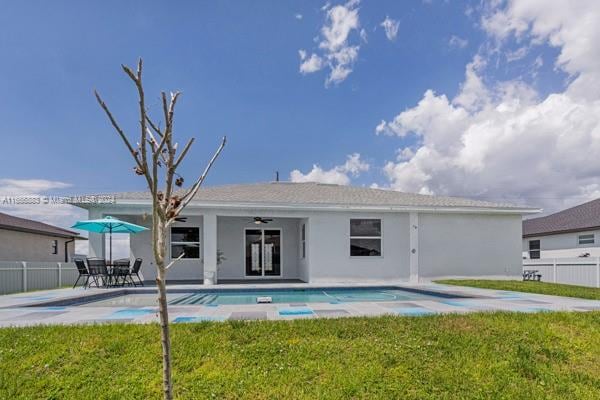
[(55, 247), (303, 240), (185, 241), (534, 249), (365, 237), (586, 239)]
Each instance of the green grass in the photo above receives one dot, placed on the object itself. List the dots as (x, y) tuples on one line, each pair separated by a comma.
[(474, 356), (555, 289)]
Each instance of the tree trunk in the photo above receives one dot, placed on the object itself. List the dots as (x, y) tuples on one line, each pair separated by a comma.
[(159, 232), (164, 334)]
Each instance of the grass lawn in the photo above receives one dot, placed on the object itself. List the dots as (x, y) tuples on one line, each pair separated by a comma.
[(555, 289), (475, 356)]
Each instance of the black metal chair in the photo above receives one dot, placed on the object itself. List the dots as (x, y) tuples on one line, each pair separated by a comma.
[(99, 272), (121, 274), (83, 272), (137, 265)]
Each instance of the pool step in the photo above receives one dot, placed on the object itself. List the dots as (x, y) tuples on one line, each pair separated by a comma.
[(198, 298)]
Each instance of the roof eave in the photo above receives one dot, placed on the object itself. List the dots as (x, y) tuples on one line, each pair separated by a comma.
[(74, 235), (332, 207), (561, 231)]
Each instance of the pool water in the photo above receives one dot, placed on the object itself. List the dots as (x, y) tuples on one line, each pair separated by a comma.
[(215, 298)]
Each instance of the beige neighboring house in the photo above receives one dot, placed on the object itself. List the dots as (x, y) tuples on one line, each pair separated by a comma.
[(27, 240)]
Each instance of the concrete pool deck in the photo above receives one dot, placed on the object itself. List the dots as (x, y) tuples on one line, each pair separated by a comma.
[(28, 309)]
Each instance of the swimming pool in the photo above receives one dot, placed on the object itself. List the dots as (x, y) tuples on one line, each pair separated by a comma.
[(278, 296)]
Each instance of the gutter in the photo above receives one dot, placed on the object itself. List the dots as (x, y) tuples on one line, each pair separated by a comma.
[(329, 207)]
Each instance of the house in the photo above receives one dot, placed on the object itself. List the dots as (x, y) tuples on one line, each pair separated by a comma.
[(315, 232), (27, 240), (574, 232)]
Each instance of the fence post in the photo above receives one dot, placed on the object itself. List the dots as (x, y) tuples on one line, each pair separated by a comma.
[(59, 275), (24, 275), (598, 272), (554, 270)]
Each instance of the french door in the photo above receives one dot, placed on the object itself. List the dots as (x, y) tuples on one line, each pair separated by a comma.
[(263, 252)]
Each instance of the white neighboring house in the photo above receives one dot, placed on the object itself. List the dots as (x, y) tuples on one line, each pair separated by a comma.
[(314, 232), (574, 232)]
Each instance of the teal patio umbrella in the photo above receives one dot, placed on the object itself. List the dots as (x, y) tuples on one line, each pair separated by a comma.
[(109, 225)]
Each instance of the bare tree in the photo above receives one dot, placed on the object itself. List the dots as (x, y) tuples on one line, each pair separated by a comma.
[(157, 158)]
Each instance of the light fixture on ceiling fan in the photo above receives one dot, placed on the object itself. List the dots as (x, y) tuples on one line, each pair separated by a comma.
[(260, 220)]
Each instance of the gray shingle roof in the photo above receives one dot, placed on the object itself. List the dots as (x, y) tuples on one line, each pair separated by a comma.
[(582, 217), (311, 194), (11, 222)]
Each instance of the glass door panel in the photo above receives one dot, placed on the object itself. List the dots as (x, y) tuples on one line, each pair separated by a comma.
[(263, 252), (272, 252), (253, 252)]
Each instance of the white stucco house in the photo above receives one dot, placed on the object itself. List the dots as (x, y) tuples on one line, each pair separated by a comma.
[(314, 232), (574, 232)]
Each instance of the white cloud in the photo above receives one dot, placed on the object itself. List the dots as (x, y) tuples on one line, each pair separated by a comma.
[(501, 140), (337, 51), (391, 28), (517, 54), (340, 174), (62, 215), (298, 16), (458, 42), (310, 64)]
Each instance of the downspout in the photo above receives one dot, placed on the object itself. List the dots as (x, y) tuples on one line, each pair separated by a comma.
[(66, 248)]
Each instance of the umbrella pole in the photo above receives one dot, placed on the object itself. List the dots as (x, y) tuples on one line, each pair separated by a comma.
[(110, 245)]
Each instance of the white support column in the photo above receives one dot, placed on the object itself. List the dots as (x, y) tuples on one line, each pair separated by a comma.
[(554, 270), (209, 224), (414, 246), (96, 246)]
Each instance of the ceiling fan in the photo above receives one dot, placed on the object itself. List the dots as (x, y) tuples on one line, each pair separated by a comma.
[(260, 220)]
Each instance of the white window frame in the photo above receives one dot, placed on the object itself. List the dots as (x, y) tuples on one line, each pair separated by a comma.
[(586, 236), (171, 243), (380, 237), (303, 241)]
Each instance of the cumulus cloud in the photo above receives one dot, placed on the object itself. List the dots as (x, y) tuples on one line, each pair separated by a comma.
[(310, 64), (336, 50), (62, 215), (340, 174), (503, 140), (391, 28)]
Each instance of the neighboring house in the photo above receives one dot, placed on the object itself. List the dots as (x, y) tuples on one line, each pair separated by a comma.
[(27, 240), (323, 233), (574, 232)]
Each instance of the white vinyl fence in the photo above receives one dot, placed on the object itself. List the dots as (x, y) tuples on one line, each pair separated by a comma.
[(21, 276), (583, 271)]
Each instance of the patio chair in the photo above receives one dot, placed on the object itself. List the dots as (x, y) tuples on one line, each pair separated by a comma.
[(137, 265), (121, 274), (83, 272), (99, 272)]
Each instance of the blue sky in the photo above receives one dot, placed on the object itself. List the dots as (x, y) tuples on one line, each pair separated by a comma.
[(463, 94), (237, 66)]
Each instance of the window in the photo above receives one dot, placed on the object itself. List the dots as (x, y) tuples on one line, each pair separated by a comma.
[(588, 238), (365, 237), (185, 241), (55, 247), (303, 240), (534, 249)]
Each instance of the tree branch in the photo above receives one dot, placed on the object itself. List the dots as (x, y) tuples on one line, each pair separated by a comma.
[(183, 153), (192, 192), (170, 264), (118, 128)]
